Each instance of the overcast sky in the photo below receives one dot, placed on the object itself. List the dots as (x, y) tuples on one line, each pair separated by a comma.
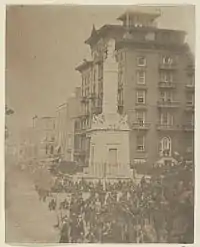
[(45, 43)]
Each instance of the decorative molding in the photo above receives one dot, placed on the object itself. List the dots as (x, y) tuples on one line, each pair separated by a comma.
[(109, 122)]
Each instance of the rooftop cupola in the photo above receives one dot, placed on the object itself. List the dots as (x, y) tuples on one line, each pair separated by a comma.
[(138, 18)]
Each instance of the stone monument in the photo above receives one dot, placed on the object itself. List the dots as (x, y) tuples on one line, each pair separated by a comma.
[(109, 133)]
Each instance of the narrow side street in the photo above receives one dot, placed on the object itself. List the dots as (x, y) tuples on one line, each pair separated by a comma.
[(27, 219)]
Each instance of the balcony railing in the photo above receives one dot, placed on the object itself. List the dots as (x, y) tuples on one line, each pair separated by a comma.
[(97, 109), (171, 127), (84, 99), (92, 96), (189, 106), (140, 126), (163, 84), (190, 69), (84, 114), (140, 105), (188, 127), (189, 86), (79, 152), (166, 66), (170, 104), (80, 130)]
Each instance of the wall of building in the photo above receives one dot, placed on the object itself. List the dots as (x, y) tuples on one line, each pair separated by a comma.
[(67, 114), (153, 44), (152, 90), (44, 131)]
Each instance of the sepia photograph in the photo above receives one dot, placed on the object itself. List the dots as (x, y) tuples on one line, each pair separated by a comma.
[(99, 124)]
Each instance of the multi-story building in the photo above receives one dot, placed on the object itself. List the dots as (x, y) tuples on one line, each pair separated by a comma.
[(26, 147), (155, 87), (66, 137), (44, 137)]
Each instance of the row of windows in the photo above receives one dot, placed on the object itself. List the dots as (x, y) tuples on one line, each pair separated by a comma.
[(166, 60), (97, 74), (165, 145), (165, 76), (141, 62), (165, 118), (165, 96)]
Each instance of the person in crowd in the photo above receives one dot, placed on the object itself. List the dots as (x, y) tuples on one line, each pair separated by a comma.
[(64, 238), (117, 212)]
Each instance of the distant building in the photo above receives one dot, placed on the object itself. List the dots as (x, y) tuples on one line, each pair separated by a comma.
[(66, 118), (154, 89), (26, 146), (44, 137)]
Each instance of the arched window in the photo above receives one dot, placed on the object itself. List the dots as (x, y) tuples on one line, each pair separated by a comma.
[(52, 150), (165, 146)]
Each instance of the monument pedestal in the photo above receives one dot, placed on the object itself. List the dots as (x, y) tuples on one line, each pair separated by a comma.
[(109, 147)]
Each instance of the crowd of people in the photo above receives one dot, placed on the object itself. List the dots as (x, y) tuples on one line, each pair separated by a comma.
[(157, 210)]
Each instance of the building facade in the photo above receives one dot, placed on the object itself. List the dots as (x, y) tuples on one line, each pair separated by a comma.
[(44, 137), (155, 88), (68, 115)]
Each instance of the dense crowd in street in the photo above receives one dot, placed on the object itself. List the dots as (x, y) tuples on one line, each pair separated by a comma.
[(155, 210)]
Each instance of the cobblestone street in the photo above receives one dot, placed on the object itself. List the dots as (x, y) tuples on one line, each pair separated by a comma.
[(27, 219)]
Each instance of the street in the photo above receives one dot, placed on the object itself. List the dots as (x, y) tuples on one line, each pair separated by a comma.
[(28, 220)]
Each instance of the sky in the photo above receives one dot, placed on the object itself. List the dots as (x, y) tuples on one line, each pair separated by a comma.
[(44, 44)]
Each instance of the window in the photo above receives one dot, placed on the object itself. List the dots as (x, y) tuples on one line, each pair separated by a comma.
[(167, 60), (191, 81), (166, 76), (165, 146), (113, 156), (150, 36), (120, 96), (92, 155), (141, 97), (139, 161), (140, 143), (192, 119), (166, 96), (190, 99), (140, 117), (120, 56), (46, 149), (120, 76), (100, 71), (94, 88), (51, 150), (94, 75), (141, 77), (141, 61), (166, 118), (189, 149), (69, 141)]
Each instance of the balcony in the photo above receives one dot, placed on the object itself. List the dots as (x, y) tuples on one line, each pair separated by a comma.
[(168, 104), (79, 152), (92, 96), (188, 127), (120, 108), (140, 105), (84, 114), (190, 69), (168, 127), (165, 85), (189, 86), (80, 131), (166, 66), (84, 99), (141, 86), (189, 106), (96, 110), (141, 126)]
